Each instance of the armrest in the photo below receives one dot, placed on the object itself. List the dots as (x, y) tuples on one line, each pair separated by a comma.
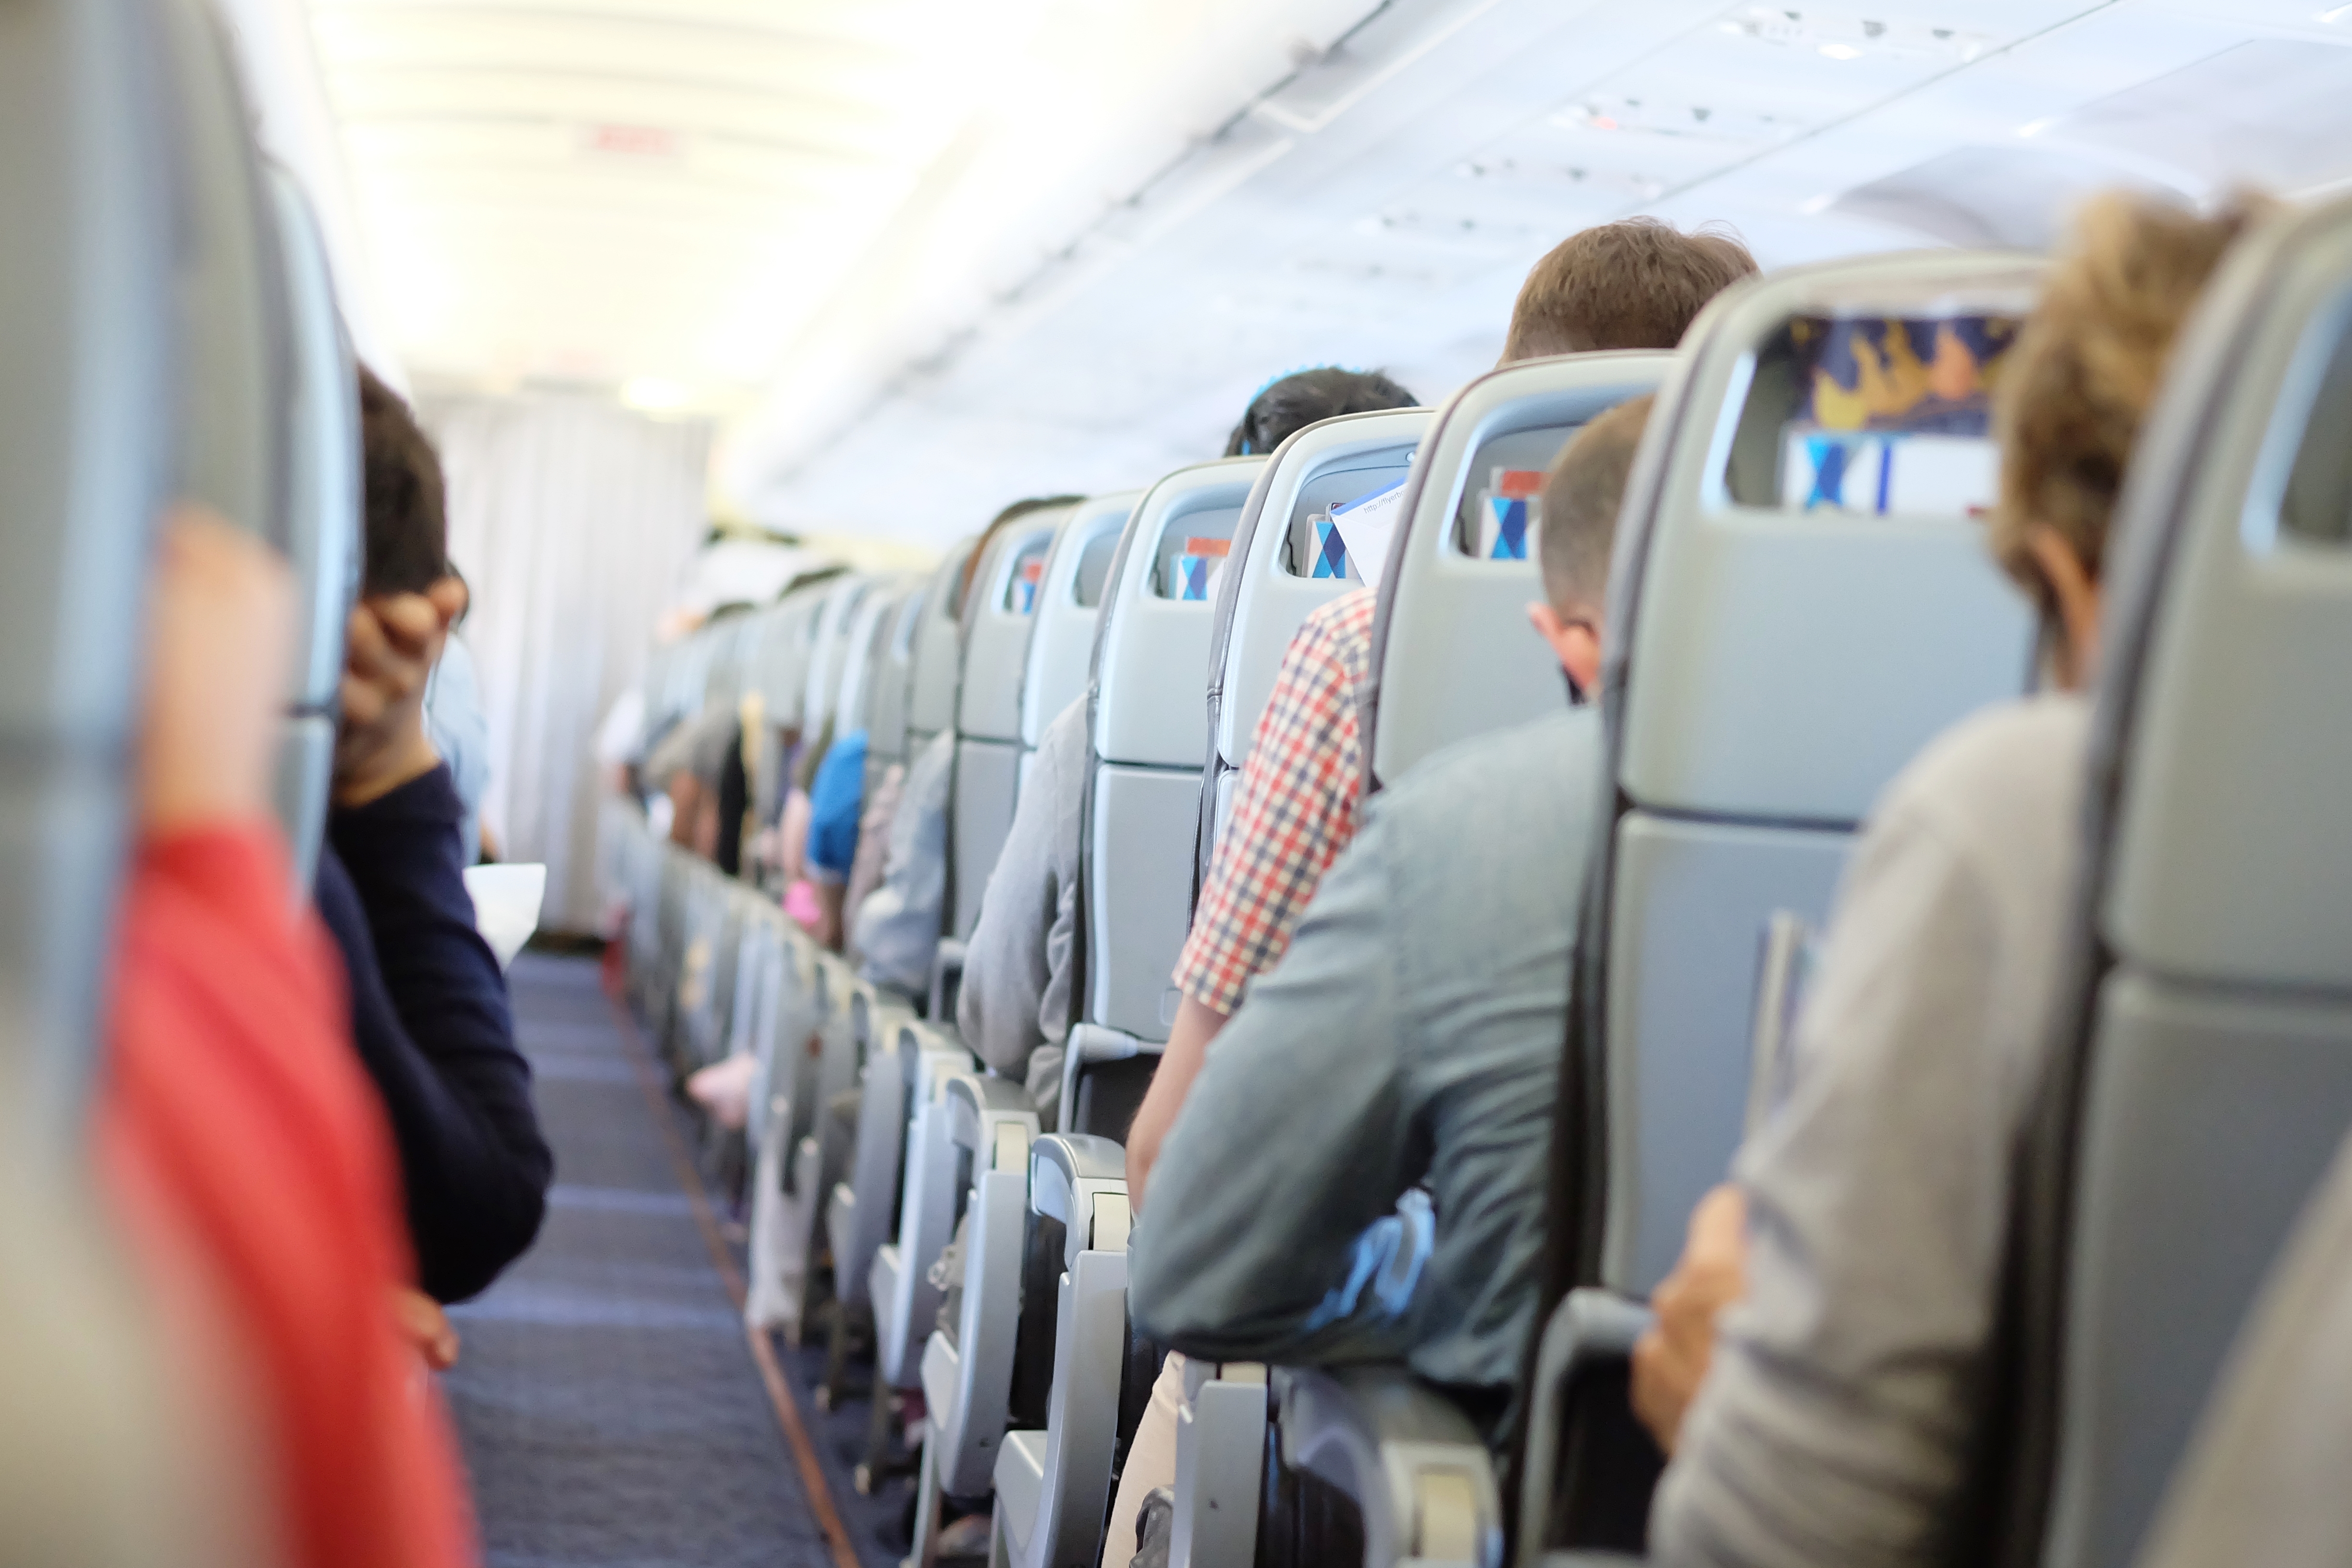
[(1081, 1182), (1416, 1467), (1090, 1045), (1593, 1332), (947, 978), (994, 1118)]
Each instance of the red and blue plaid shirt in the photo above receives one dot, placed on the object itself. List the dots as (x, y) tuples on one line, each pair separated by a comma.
[(1295, 810)]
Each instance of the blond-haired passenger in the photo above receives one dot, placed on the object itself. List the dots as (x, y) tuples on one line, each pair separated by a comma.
[(1829, 1414)]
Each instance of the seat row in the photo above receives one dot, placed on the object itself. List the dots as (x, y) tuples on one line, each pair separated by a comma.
[(1793, 617)]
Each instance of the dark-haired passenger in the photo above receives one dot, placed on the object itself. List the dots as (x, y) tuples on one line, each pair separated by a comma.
[(1410, 1036), (428, 1002), (1015, 1007)]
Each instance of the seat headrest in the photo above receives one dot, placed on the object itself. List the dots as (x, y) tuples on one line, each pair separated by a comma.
[(2223, 735), (938, 646), (1288, 557), (1453, 654), (998, 624), (1152, 657), (1801, 595), (1068, 608)]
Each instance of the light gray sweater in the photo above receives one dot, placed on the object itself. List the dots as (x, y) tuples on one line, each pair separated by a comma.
[(1834, 1425), (1014, 1010)]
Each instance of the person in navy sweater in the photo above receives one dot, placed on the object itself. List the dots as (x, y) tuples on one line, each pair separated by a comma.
[(429, 1010)]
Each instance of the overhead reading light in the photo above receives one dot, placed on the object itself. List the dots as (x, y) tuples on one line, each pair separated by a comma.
[(1813, 205), (2036, 127), (654, 394), (1841, 51)]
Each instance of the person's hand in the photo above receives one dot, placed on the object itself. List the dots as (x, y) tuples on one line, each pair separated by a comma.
[(390, 645), (425, 1327), (220, 645), (1671, 1361)]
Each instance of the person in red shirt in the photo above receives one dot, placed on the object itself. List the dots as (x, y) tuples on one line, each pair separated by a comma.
[(239, 1138)]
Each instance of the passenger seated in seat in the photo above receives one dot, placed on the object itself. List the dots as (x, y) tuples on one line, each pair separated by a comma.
[(1287, 405), (1015, 1008), (1629, 285), (237, 1136), (428, 1002), (896, 930), (1409, 1036), (1830, 1414)]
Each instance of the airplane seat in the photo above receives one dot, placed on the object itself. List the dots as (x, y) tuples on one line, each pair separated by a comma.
[(1286, 559), (1797, 606), (885, 725), (1069, 607), (1053, 1472), (1149, 744), (2202, 1076), (966, 1360), (906, 1301), (94, 437), (1453, 657), (796, 1062), (1453, 654), (324, 528), (937, 659), (988, 720)]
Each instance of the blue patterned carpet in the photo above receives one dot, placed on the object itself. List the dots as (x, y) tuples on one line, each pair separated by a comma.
[(611, 1409)]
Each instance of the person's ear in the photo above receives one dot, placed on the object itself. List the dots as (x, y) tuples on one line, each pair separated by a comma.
[(2075, 594), (1575, 641)]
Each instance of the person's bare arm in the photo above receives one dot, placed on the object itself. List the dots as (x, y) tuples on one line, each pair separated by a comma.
[(1670, 1361), (1187, 1046)]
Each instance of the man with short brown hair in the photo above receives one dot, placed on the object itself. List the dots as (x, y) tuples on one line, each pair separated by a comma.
[(1634, 284)]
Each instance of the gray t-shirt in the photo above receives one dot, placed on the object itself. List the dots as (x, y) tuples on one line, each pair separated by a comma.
[(1015, 1008), (2266, 1479), (1836, 1423), (896, 932), (1410, 1036)]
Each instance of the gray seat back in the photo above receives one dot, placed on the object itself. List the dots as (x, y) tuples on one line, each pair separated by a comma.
[(894, 677), (1148, 739), (939, 651), (1453, 654), (862, 672), (1069, 607), (325, 532), (829, 652), (87, 315), (996, 630), (1774, 659), (2203, 1075), (1285, 562)]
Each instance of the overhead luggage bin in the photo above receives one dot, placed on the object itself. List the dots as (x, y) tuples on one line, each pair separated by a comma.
[(2203, 1078), (1453, 654), (1864, 619), (1284, 564)]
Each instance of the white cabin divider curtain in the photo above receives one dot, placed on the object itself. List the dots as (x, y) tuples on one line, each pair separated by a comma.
[(575, 522)]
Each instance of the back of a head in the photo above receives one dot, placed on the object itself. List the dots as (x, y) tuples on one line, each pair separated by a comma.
[(2073, 390), (1582, 495), (996, 525), (408, 525), (1635, 284), (1290, 405)]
